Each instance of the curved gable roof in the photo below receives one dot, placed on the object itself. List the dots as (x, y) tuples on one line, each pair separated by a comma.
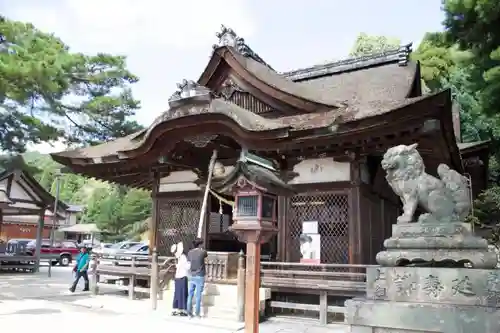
[(385, 77), (265, 80)]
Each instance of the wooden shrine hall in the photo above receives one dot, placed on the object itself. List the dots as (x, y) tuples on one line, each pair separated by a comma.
[(324, 128)]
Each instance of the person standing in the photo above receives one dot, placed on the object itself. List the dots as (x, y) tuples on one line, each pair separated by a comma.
[(196, 280), (81, 269), (179, 305)]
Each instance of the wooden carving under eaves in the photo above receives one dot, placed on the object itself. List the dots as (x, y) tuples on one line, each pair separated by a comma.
[(233, 93), (228, 88)]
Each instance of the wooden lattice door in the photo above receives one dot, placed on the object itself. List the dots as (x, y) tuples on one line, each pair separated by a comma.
[(331, 211), (178, 222)]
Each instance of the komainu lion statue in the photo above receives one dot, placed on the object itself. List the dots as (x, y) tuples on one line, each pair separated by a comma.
[(446, 199)]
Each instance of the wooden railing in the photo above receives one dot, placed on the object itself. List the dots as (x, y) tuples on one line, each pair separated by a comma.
[(322, 279), (13, 257), (17, 262), (151, 270), (221, 266), (133, 273)]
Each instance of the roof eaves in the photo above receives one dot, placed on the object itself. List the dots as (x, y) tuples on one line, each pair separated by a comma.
[(399, 55)]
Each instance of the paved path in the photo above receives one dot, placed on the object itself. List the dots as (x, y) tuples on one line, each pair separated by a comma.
[(50, 315), (47, 304), (38, 285)]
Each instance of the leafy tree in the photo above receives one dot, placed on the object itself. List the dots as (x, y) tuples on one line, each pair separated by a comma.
[(366, 44), (475, 26), (118, 211), (486, 215), (136, 205), (48, 92), (438, 59)]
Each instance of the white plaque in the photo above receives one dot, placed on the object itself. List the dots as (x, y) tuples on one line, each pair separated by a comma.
[(310, 227)]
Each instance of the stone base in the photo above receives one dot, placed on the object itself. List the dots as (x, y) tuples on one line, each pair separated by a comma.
[(219, 300), (374, 316), (444, 244), (427, 299)]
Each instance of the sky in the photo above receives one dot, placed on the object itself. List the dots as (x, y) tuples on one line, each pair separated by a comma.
[(166, 41)]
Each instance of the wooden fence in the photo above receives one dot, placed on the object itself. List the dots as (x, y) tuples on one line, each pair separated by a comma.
[(323, 279)]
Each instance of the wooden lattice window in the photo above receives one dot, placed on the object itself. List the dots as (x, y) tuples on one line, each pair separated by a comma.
[(178, 222), (331, 211)]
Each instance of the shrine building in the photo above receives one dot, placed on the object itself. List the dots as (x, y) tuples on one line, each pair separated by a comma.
[(324, 129)]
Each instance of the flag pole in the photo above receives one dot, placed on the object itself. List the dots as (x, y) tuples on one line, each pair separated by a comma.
[(205, 196)]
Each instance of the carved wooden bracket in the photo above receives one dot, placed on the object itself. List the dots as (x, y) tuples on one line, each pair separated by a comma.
[(228, 88)]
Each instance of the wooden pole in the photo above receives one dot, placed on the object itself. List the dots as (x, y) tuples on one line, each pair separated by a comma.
[(39, 238), (54, 221), (154, 223), (252, 303), (154, 279), (205, 195), (95, 278), (241, 287)]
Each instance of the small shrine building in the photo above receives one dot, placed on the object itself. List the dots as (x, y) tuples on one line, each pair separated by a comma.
[(324, 128), (30, 213)]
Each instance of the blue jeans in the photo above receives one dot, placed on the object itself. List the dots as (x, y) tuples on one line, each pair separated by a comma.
[(195, 288)]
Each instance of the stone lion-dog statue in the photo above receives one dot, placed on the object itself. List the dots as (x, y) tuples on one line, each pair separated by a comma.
[(446, 199)]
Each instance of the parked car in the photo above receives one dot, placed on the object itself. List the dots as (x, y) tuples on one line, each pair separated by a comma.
[(139, 251), (17, 245), (98, 249), (62, 252), (110, 252)]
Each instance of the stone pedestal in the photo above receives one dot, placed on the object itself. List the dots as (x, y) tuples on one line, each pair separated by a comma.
[(451, 244), (427, 299), (424, 284)]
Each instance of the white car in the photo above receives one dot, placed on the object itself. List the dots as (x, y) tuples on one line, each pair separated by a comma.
[(98, 249), (110, 252)]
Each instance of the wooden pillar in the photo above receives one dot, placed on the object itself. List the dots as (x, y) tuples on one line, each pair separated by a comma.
[(240, 294), (153, 241), (154, 280), (94, 288), (355, 237), (252, 301), (154, 223), (1, 222), (282, 254), (39, 237)]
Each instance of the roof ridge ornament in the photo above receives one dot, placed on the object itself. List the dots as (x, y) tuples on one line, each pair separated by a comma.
[(228, 37), (189, 91)]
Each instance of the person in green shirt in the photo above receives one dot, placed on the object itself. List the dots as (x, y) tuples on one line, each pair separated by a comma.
[(81, 269)]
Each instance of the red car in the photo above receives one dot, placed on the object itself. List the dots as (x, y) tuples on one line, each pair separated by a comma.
[(62, 252)]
